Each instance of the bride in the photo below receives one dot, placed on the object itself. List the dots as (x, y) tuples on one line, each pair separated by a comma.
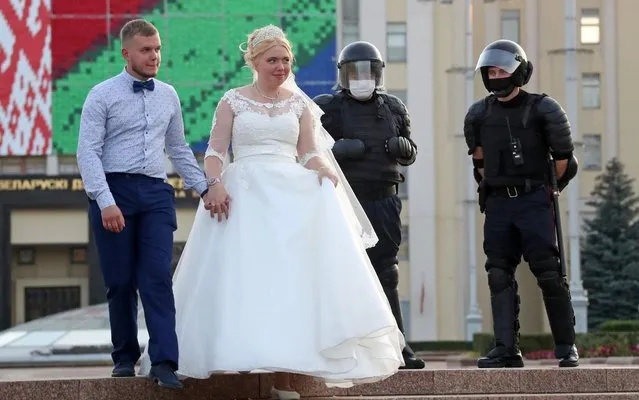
[(274, 275)]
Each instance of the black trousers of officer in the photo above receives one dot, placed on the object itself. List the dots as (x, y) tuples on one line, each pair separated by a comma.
[(384, 213), (519, 224)]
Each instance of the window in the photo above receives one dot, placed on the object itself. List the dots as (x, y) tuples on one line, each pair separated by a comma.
[(592, 152), (78, 255), (35, 165), (350, 21), (591, 91), (510, 25), (68, 165), (23, 165), (42, 301), (402, 254), (26, 256), (396, 42), (10, 166), (350, 33), (350, 10), (590, 26)]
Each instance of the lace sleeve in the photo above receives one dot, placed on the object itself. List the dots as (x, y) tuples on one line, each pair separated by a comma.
[(221, 130), (306, 145)]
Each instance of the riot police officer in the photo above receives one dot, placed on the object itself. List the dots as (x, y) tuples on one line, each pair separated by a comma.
[(510, 135), (372, 134)]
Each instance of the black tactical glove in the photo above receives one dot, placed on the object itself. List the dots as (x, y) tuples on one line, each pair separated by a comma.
[(399, 147), (352, 149)]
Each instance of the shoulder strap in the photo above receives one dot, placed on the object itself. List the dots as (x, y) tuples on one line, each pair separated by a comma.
[(488, 104), (531, 101), (381, 103)]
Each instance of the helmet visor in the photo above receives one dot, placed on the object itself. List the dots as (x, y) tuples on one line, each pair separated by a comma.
[(500, 59), (363, 70)]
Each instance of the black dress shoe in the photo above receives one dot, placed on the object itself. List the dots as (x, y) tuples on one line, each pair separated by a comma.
[(501, 357), (571, 359), (163, 375), (123, 370)]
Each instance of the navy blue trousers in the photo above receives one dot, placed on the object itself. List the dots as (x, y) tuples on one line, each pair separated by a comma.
[(384, 215), (525, 226), (138, 259), (520, 226)]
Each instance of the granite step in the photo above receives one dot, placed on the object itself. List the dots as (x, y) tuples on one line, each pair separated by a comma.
[(592, 382), (564, 396)]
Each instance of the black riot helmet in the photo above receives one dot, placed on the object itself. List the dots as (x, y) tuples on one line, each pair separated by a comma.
[(510, 57), (360, 61)]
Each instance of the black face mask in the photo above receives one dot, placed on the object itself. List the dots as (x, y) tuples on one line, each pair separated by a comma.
[(501, 87)]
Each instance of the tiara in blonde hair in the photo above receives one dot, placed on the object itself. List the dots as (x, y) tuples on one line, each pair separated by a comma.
[(268, 32)]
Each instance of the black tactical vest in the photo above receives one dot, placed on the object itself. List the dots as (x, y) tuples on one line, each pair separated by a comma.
[(372, 123), (501, 128)]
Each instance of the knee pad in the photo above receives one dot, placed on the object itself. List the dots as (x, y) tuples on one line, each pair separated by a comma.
[(389, 276), (500, 276), (548, 277), (545, 269), (499, 280)]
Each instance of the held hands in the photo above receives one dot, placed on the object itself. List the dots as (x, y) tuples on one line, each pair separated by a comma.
[(217, 201), (325, 172), (112, 219)]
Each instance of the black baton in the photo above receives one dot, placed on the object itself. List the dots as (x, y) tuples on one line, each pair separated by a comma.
[(557, 214)]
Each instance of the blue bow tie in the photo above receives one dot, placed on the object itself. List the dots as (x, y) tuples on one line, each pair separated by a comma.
[(148, 85)]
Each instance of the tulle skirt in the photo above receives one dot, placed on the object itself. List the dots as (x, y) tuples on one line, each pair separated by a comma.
[(284, 284)]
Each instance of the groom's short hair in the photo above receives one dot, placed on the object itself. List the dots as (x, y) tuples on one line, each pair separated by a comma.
[(136, 27)]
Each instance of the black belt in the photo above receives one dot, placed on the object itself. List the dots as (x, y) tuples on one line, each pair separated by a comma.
[(375, 193), (127, 175), (512, 191)]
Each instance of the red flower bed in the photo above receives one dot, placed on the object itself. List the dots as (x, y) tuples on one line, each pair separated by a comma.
[(594, 352)]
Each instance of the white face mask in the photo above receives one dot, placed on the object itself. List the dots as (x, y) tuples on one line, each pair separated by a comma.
[(361, 89)]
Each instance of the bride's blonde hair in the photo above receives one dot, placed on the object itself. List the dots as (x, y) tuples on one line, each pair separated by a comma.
[(263, 39)]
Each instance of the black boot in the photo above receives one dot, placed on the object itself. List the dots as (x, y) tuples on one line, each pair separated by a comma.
[(410, 360), (567, 355), (561, 316), (392, 294), (562, 325), (505, 309), (502, 357)]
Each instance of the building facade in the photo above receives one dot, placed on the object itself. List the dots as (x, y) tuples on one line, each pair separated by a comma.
[(46, 243)]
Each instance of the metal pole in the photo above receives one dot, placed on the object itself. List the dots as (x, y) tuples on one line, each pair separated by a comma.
[(579, 296), (473, 318)]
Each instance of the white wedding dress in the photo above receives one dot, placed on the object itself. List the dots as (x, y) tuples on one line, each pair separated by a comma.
[(285, 283)]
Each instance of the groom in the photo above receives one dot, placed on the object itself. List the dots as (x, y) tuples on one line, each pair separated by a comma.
[(127, 124)]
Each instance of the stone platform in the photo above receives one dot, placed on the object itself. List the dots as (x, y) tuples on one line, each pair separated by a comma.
[(587, 382)]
